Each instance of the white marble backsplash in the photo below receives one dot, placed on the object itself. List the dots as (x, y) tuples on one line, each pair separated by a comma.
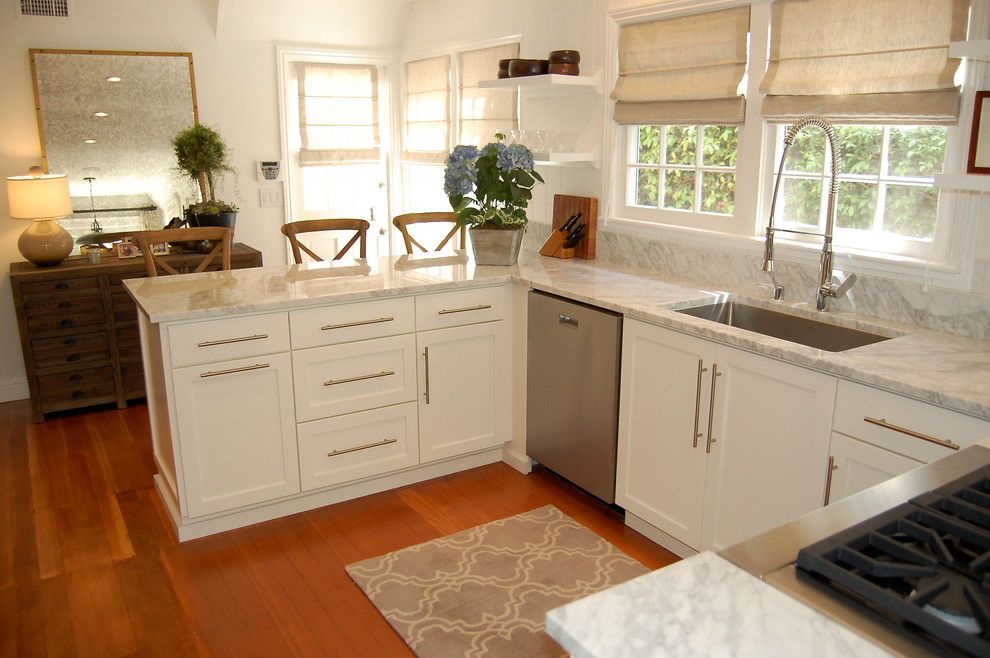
[(941, 309)]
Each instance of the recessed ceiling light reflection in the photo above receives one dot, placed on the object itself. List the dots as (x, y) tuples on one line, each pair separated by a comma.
[(100, 114), (113, 78), (89, 141)]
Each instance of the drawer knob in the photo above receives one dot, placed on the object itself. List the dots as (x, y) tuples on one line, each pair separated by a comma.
[(64, 304), (66, 322), (74, 377), (69, 341), (61, 285), (72, 357), (78, 394)]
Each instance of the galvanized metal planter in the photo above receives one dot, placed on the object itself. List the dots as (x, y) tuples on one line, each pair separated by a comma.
[(496, 246)]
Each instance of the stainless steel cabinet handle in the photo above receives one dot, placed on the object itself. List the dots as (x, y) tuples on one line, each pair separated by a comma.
[(224, 341), (357, 323), (882, 422), (697, 403), (832, 466), (566, 319), (711, 409), (359, 378), (383, 442), (448, 311), (426, 372), (215, 373)]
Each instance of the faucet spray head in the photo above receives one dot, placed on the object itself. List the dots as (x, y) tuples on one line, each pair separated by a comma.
[(768, 251)]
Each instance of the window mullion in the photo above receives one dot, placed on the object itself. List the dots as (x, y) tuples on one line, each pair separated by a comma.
[(881, 183), (698, 158)]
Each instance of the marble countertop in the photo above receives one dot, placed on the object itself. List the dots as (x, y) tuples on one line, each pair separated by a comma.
[(944, 369), (701, 606)]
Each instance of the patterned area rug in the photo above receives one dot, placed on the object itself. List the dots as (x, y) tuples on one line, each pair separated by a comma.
[(485, 591)]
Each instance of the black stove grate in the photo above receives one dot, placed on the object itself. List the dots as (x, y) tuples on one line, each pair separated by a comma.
[(924, 564)]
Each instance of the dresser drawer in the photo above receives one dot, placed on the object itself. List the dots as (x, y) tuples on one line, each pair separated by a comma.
[(355, 446), (77, 384), (90, 283), (64, 312), (458, 307), (132, 375), (66, 350), (344, 323), (209, 341), (128, 344), (341, 379), (887, 420)]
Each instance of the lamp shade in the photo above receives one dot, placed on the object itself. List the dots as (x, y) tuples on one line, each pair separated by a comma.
[(41, 197)]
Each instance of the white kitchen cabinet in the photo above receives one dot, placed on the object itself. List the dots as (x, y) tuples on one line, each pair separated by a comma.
[(857, 465), (236, 432), (712, 461), (464, 382)]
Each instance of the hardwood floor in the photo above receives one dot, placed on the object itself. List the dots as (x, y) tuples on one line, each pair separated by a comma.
[(89, 565)]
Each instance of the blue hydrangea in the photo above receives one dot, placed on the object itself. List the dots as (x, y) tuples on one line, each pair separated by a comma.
[(462, 153), (514, 157), (459, 177)]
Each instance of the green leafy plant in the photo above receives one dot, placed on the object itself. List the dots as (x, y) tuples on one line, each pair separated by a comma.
[(490, 187), (203, 155)]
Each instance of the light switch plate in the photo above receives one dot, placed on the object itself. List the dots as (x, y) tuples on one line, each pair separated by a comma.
[(270, 196)]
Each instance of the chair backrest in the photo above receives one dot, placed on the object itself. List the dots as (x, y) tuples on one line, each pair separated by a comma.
[(293, 229), (402, 222), (219, 235)]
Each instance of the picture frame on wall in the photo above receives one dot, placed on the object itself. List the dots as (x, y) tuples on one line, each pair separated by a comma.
[(979, 138)]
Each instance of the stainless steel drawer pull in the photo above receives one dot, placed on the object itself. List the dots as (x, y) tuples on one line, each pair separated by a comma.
[(711, 409), (359, 378), (383, 442), (566, 319), (224, 341), (697, 403), (358, 323), (831, 468), (448, 311), (882, 422), (215, 373)]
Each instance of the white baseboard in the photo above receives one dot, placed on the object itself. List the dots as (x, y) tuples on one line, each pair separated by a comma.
[(14, 389), (657, 536), (518, 461)]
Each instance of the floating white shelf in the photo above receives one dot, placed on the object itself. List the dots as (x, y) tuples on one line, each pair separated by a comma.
[(968, 182), (979, 49), (543, 82), (565, 159)]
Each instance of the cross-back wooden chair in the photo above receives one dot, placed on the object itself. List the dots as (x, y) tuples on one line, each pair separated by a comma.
[(293, 229), (402, 222), (218, 234)]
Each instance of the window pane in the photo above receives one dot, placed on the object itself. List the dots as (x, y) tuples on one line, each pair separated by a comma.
[(719, 146), (718, 192), (859, 149), (802, 200), (916, 151), (678, 189), (857, 204), (910, 210), (648, 145), (682, 145), (807, 153), (647, 186)]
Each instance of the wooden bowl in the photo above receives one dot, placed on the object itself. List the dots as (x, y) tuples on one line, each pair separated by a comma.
[(559, 68), (565, 57), (519, 68)]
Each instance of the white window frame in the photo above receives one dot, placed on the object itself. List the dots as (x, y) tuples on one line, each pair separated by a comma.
[(949, 263)]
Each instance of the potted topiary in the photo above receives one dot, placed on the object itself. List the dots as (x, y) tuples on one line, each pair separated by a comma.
[(203, 155), (489, 189)]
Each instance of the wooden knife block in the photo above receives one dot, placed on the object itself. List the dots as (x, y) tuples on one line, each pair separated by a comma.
[(565, 206)]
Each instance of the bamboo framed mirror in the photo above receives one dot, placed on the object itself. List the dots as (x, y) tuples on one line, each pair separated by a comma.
[(106, 120)]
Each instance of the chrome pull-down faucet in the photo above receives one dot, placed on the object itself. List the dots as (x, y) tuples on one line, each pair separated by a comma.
[(827, 286)]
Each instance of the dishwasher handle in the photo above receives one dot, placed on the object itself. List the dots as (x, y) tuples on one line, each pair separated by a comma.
[(568, 320)]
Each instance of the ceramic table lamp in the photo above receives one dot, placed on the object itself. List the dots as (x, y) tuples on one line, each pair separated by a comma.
[(42, 198)]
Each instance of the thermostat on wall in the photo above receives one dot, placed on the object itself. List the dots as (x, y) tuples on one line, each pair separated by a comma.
[(269, 171)]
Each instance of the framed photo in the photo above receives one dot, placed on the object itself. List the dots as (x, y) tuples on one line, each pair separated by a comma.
[(979, 138), (126, 250)]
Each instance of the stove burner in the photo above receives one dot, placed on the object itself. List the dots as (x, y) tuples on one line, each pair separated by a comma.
[(947, 600)]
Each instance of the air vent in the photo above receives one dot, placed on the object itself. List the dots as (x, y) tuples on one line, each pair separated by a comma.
[(52, 8)]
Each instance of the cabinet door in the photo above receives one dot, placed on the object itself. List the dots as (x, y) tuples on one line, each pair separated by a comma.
[(663, 415), (236, 432), (770, 456), (464, 383), (858, 466)]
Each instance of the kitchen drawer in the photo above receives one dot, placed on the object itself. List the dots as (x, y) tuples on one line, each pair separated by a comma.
[(66, 350), (344, 323), (458, 307), (855, 403), (87, 283), (341, 379), (209, 341), (64, 312), (355, 446), (76, 384)]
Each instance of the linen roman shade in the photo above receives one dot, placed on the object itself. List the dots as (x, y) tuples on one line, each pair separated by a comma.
[(427, 114), (338, 113), (882, 61), (485, 111), (683, 70)]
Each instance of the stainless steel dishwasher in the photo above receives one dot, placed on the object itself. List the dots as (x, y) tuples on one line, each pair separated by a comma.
[(572, 393)]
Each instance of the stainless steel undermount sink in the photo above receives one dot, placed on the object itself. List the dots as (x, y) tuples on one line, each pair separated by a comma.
[(793, 328)]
